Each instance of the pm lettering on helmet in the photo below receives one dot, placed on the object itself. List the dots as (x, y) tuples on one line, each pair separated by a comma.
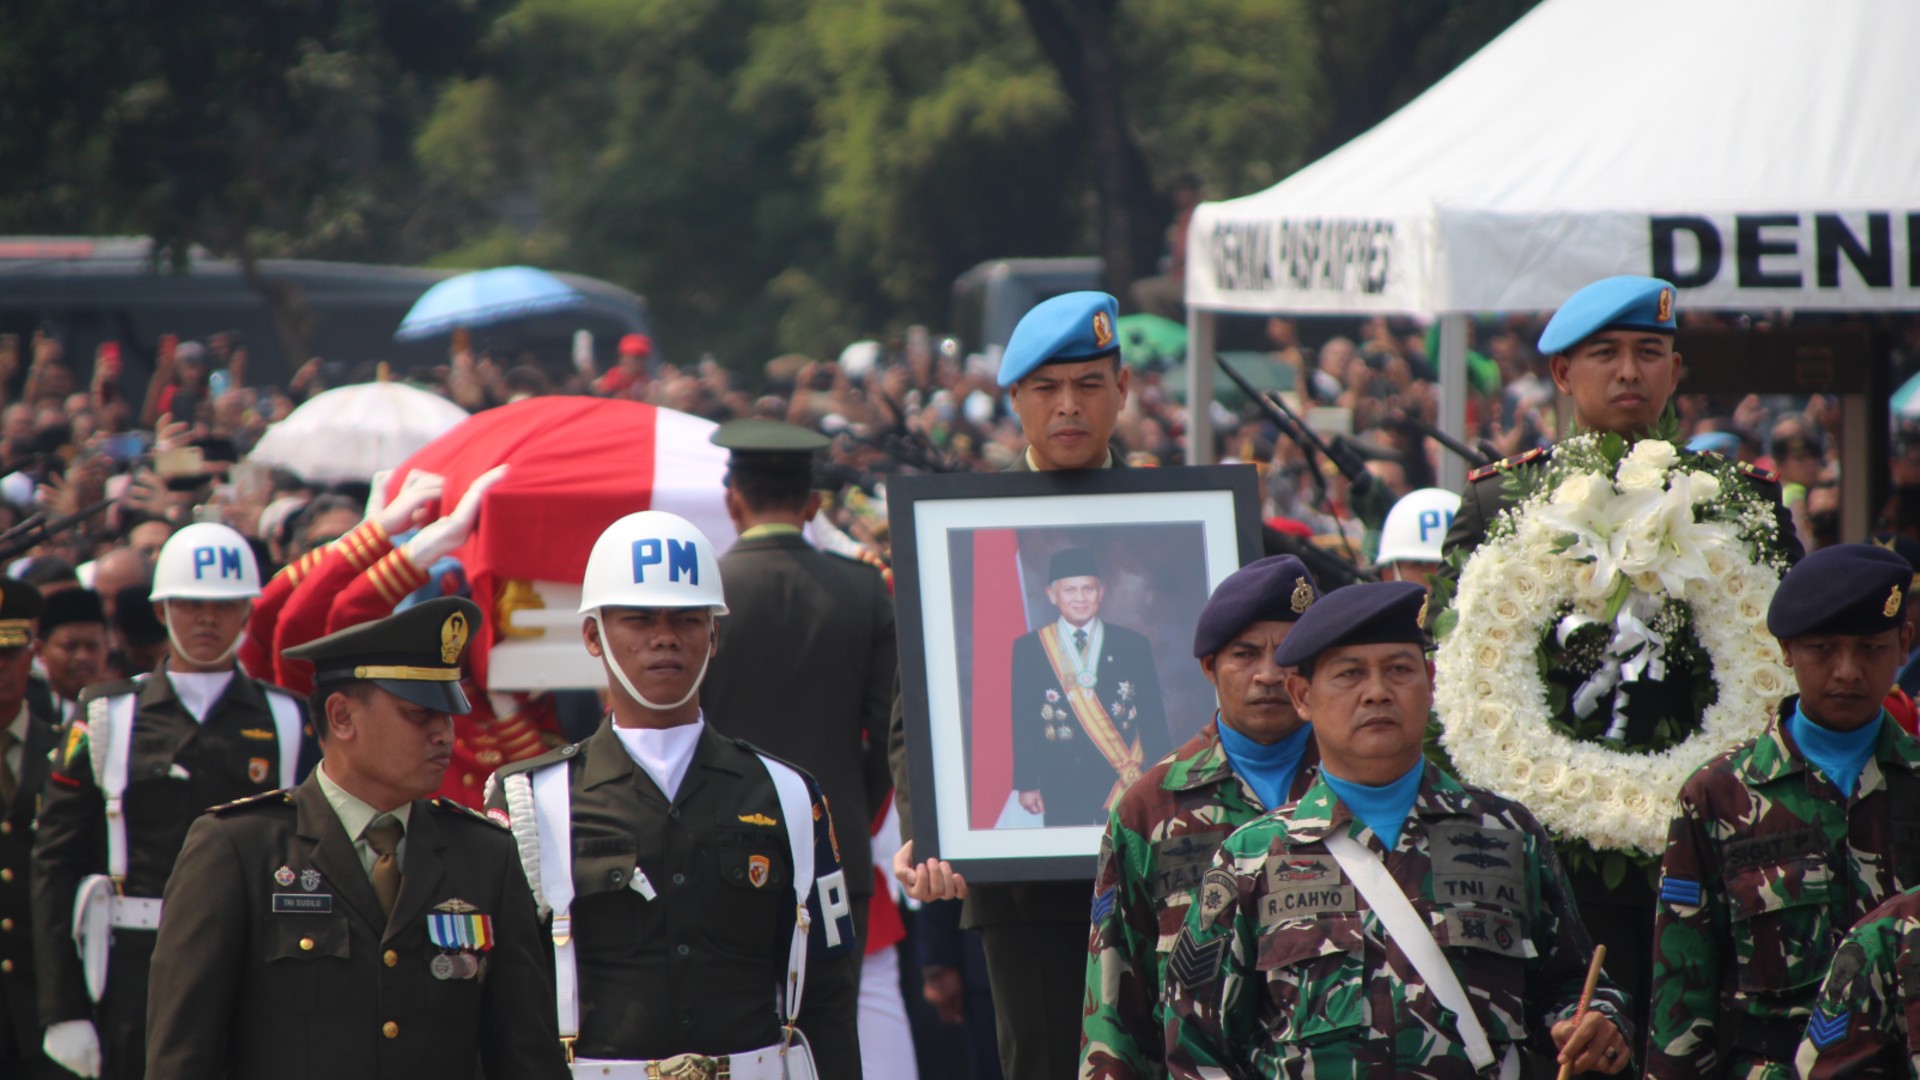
[(1434, 521), (680, 556), (224, 561)]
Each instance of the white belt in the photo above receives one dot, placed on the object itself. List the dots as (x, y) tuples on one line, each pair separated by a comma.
[(135, 913), (776, 1062)]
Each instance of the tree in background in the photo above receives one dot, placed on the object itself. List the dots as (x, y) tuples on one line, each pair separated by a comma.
[(275, 127), (773, 175)]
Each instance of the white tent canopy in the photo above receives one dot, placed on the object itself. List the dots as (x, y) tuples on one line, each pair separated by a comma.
[(1758, 153)]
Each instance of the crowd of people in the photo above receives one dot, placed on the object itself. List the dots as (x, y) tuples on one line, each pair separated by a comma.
[(96, 485)]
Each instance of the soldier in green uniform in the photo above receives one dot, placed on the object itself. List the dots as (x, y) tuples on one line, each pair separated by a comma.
[(1784, 842), (28, 735), (1862, 1023), (1256, 755), (140, 763), (701, 923), (1393, 921), (352, 926), (1611, 350), (807, 652)]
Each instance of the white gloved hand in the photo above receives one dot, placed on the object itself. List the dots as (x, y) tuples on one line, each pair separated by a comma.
[(75, 1045), (420, 489), (443, 537)]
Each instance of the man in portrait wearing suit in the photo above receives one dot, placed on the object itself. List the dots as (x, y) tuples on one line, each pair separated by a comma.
[(1087, 713)]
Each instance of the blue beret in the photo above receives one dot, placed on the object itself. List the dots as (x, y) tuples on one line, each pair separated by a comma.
[(1856, 589), (1277, 588), (1072, 562), (1626, 302), (1724, 443), (1370, 614), (1071, 328)]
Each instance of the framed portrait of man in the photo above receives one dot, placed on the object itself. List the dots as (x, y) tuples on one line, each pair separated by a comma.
[(1046, 630)]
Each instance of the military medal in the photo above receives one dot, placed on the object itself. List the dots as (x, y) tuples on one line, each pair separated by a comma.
[(441, 966)]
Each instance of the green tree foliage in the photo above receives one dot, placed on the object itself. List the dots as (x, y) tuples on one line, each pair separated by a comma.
[(275, 127), (772, 174)]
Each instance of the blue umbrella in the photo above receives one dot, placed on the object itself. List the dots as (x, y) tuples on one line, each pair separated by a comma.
[(486, 297)]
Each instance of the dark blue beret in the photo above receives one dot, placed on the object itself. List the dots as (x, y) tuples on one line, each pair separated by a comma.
[(1370, 614), (1856, 589), (1067, 329), (1277, 588), (1903, 547), (1072, 562), (1626, 302)]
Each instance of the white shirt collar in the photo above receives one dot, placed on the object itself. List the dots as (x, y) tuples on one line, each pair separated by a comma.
[(198, 690), (665, 753)]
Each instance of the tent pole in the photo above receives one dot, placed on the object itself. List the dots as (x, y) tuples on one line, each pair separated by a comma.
[(1453, 397), (1199, 386)]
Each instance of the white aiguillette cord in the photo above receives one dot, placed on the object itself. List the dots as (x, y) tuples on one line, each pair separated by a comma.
[(1415, 938)]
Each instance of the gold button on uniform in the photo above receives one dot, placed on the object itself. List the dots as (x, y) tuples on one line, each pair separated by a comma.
[(6, 874), (306, 944), (6, 827), (390, 1029), (6, 966), (392, 958), (6, 925)]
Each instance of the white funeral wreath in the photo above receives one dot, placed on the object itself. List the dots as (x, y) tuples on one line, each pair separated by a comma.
[(1645, 540)]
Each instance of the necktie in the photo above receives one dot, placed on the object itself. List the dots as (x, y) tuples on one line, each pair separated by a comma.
[(8, 782), (384, 837), (1080, 641)]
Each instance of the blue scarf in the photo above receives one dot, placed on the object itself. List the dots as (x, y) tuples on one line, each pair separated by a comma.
[(1268, 769), (1839, 754), (1384, 809)]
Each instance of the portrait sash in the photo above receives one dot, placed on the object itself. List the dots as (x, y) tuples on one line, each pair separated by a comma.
[(1125, 759)]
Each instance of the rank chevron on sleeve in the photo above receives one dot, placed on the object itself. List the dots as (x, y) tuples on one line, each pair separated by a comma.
[(1194, 965), (1826, 1030)]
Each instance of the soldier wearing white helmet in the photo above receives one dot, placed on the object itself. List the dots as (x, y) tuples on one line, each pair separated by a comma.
[(1410, 540), (140, 763), (671, 860)]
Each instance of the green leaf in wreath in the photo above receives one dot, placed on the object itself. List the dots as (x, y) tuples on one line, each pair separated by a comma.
[(1444, 625), (1613, 448), (1613, 869), (1622, 589)]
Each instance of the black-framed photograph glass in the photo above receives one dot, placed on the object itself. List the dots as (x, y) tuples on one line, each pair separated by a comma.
[(1046, 648)]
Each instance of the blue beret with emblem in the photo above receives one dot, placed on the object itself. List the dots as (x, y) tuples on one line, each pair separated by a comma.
[(1071, 328), (1853, 589), (1277, 588), (1626, 302), (1369, 614)]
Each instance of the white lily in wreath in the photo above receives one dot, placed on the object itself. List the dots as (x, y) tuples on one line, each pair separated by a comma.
[(1666, 542)]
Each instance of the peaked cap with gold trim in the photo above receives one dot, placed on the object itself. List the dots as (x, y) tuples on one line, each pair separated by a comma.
[(414, 655), (20, 604)]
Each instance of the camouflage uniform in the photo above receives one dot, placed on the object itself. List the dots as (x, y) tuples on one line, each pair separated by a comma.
[(1766, 865), (1283, 970), (1161, 837), (1860, 1025)]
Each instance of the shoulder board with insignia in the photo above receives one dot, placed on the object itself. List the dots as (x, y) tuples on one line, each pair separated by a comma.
[(284, 795), (1765, 476), (112, 689), (558, 753), (1505, 464), (462, 809)]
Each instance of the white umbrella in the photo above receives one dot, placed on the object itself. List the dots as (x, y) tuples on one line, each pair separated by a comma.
[(353, 432)]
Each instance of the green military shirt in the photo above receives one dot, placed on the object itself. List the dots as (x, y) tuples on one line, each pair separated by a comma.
[(1161, 837), (1766, 865), (1283, 969), (1862, 1024)]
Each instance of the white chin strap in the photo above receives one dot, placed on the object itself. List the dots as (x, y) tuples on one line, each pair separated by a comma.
[(180, 648), (627, 684)]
